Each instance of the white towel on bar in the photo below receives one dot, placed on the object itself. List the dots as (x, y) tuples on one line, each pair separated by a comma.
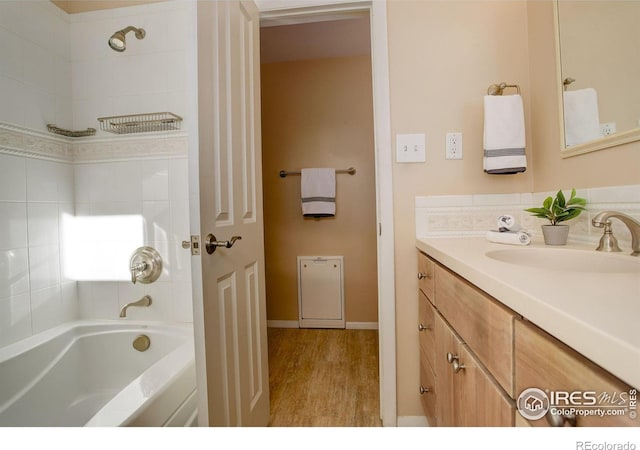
[(581, 116), (318, 189), (504, 136)]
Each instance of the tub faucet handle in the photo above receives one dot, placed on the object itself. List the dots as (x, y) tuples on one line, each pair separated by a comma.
[(145, 265), (136, 271)]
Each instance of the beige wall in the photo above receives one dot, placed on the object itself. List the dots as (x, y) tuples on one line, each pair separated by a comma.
[(443, 55), (318, 113)]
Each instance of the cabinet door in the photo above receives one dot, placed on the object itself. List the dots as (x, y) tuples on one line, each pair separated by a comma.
[(468, 395), (483, 402), (449, 402), (545, 363)]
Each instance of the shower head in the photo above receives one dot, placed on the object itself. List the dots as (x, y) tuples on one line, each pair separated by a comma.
[(117, 40)]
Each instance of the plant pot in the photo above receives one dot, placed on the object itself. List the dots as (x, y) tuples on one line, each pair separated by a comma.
[(555, 234)]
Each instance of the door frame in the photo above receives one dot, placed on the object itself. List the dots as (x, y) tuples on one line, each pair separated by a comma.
[(298, 11), (377, 10)]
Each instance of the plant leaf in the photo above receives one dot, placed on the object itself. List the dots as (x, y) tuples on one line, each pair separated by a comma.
[(560, 199), (547, 203), (543, 211)]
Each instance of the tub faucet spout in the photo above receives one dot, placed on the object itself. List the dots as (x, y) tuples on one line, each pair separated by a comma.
[(144, 301), (601, 220)]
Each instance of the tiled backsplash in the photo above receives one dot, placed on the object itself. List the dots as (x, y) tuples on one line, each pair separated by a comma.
[(473, 215)]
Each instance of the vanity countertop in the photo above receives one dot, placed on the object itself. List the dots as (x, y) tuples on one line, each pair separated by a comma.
[(597, 314)]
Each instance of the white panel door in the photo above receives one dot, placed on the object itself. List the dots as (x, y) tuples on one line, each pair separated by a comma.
[(233, 280)]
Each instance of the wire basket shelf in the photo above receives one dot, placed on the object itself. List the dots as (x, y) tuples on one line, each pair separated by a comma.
[(140, 123)]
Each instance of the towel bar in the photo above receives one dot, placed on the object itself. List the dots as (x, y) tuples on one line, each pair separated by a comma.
[(284, 173)]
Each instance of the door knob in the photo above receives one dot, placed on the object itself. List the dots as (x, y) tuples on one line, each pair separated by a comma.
[(211, 243)]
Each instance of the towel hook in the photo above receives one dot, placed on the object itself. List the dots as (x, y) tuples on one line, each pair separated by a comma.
[(497, 89), (567, 81)]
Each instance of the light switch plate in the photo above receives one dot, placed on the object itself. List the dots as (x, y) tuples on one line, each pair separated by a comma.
[(410, 148)]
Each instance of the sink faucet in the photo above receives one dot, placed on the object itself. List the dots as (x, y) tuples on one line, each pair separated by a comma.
[(144, 301), (608, 242)]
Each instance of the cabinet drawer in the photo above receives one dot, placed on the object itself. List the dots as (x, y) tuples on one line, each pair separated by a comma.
[(426, 278), (483, 324), (545, 363), (426, 330), (428, 394)]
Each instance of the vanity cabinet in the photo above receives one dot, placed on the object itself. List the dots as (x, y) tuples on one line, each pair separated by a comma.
[(478, 356), (544, 362), (466, 351)]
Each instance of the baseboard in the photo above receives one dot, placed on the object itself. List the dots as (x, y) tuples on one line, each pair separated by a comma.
[(362, 325), (283, 324), (412, 421), (295, 324)]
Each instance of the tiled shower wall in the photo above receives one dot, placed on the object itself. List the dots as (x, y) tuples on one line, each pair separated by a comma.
[(56, 68), (157, 190), (34, 296), (35, 193), (473, 215)]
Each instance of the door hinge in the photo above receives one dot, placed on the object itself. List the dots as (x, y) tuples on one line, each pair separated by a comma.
[(193, 244)]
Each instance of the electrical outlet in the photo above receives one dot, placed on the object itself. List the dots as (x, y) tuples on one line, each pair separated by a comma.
[(454, 146), (410, 148), (608, 128)]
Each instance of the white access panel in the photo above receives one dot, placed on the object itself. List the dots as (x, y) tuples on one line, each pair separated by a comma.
[(321, 292)]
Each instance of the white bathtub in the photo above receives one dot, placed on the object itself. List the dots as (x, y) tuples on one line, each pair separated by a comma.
[(87, 373)]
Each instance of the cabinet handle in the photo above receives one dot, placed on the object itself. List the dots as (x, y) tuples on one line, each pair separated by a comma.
[(451, 357), (423, 327), (457, 367), (424, 390), (561, 420), (422, 275)]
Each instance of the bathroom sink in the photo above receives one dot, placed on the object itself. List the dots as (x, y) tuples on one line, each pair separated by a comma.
[(568, 260)]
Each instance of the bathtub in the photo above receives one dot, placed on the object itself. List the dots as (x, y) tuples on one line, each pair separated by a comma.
[(87, 373)]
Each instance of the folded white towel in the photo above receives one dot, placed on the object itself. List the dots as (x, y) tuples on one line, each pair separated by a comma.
[(318, 189), (509, 237), (581, 116), (504, 134)]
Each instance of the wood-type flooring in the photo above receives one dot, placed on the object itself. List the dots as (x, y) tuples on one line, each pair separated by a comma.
[(323, 378)]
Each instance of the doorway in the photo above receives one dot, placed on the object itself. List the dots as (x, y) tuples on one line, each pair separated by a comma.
[(317, 111)]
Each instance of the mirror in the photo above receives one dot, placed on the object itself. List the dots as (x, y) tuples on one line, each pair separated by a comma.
[(599, 73)]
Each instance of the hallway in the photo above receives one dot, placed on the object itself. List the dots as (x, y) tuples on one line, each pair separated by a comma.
[(323, 378)]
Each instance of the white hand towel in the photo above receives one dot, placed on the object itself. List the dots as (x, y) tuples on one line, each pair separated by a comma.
[(581, 116), (509, 237), (318, 189), (504, 136)]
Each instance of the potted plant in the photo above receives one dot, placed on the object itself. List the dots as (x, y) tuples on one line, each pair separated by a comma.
[(557, 210)]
